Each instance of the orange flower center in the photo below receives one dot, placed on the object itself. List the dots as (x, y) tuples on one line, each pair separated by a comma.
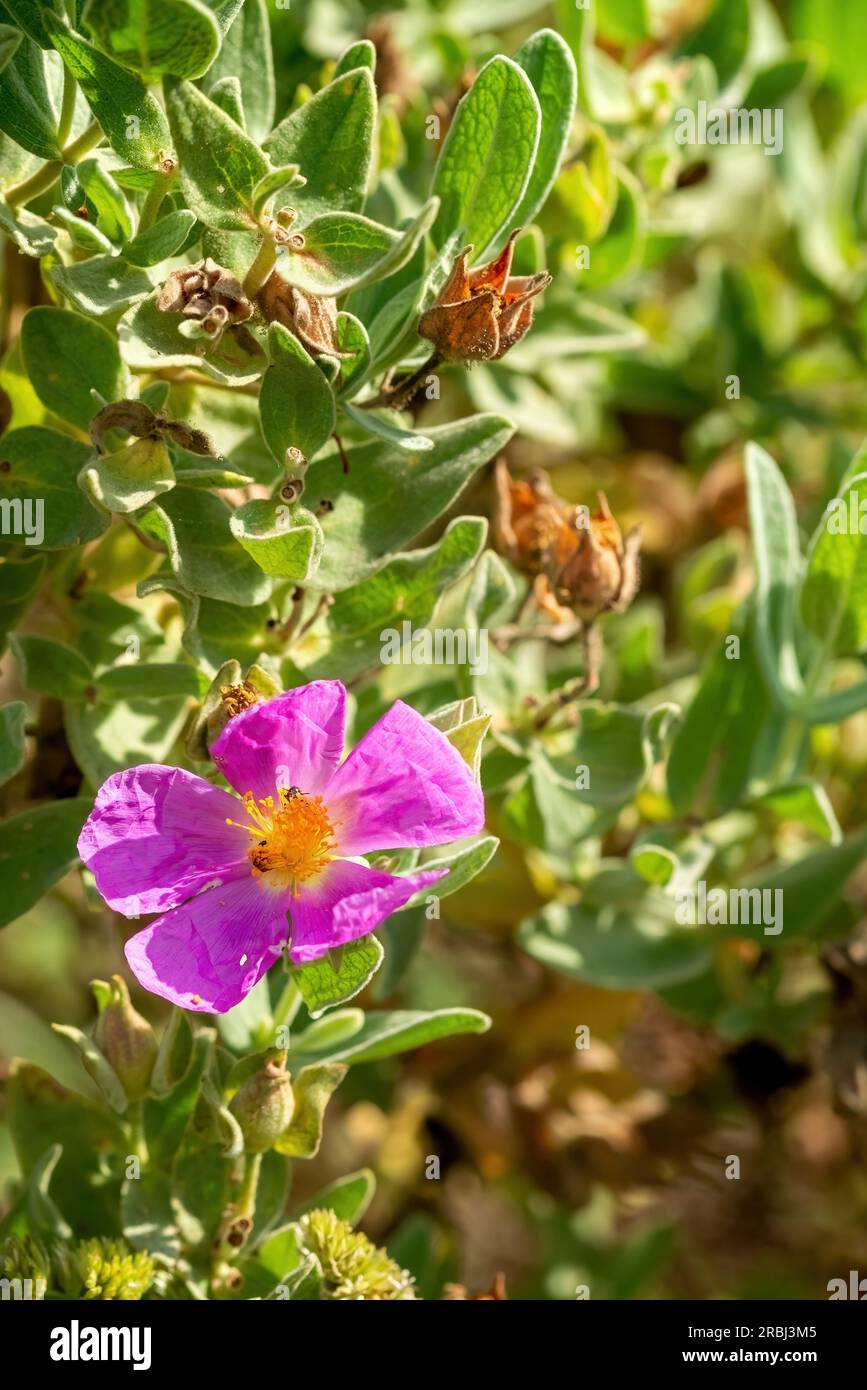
[(294, 838)]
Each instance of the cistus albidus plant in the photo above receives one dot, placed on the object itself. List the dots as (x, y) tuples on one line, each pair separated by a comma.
[(323, 332)]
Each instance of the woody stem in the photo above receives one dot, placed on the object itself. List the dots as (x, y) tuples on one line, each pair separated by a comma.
[(591, 646), (401, 395)]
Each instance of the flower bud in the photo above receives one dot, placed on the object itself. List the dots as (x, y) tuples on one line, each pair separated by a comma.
[(126, 1040), (264, 1104)]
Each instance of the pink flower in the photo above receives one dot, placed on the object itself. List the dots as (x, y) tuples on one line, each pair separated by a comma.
[(235, 879)]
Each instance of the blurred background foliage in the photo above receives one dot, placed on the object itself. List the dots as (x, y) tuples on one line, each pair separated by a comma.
[(606, 1166)]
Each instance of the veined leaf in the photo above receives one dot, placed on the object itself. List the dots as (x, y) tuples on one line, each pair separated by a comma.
[(547, 60), (155, 38), (134, 123), (331, 139), (487, 156), (219, 164)]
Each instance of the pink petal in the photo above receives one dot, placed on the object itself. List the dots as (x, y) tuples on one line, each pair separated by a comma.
[(208, 954), (295, 740), (347, 901), (157, 835), (403, 785)]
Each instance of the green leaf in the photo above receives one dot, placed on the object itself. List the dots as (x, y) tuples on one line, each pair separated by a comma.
[(180, 38), (357, 55), (42, 467), (777, 81), (52, 668), (724, 38), (462, 864), (487, 156), (611, 742), (246, 54), (204, 554), (27, 90), (654, 863), (111, 735), (840, 704), (624, 21), (712, 758), (30, 16), (389, 496), (331, 138), (313, 1088), (547, 60), (834, 591), (806, 803), (130, 478), (386, 1034), (778, 561), (812, 889), (25, 1035), (226, 93), (96, 1066), (348, 1197), (465, 729), (42, 1114), (102, 284), (352, 340), (105, 197), (82, 234), (151, 341), (13, 718), (381, 424), (616, 948), (343, 250), (32, 235), (401, 597), (286, 542), (9, 41), (492, 588), (68, 358), (165, 238), (296, 402), (220, 165), (153, 680), (133, 122), (841, 33), (328, 1031), (37, 848), (147, 1215), (19, 581), (324, 983)]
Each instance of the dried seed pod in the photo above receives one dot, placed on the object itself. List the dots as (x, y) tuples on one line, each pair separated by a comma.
[(312, 318), (480, 314), (198, 291)]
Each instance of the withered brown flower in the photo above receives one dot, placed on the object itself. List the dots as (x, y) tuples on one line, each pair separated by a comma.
[(137, 418), (480, 314), (312, 318), (580, 561), (207, 292)]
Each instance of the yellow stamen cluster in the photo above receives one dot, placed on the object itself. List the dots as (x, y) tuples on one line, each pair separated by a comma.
[(294, 836)]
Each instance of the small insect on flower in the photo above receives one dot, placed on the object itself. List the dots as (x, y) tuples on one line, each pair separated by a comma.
[(226, 871), (480, 314)]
